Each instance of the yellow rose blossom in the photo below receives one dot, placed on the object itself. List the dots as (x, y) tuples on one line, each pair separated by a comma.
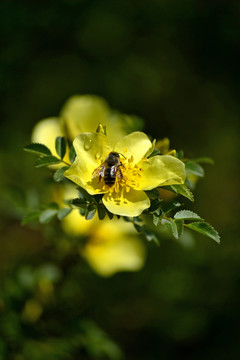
[(126, 196), (114, 247), (83, 113), (79, 114)]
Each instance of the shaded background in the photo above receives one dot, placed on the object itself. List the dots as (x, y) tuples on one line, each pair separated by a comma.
[(174, 63)]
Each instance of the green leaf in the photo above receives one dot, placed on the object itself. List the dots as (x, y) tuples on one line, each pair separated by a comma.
[(46, 160), (155, 205), (172, 205), (176, 227), (194, 168), (205, 229), (181, 190), (47, 215), (91, 211), (187, 215), (204, 160), (32, 216), (101, 212), (78, 202), (110, 215), (59, 174), (84, 195), (39, 149), (62, 213), (156, 219), (138, 227), (60, 146), (72, 154)]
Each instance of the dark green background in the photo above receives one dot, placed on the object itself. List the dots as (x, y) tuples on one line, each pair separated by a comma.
[(176, 64)]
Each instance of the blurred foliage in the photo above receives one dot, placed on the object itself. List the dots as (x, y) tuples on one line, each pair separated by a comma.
[(173, 63)]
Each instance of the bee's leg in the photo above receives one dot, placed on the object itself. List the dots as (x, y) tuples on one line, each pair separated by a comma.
[(101, 172)]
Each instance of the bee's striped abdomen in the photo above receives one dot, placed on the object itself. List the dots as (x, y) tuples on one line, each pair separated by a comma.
[(110, 175)]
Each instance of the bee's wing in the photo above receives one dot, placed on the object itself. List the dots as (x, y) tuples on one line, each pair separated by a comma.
[(99, 171)]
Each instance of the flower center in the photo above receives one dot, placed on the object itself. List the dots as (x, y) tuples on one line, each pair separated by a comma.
[(127, 176)]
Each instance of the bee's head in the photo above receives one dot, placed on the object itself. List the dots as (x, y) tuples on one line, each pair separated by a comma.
[(112, 158)]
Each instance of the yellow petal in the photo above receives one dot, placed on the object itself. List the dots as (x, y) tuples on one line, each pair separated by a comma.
[(117, 125), (75, 225), (112, 249), (136, 144), (83, 113), (91, 150), (160, 171), (46, 131), (130, 203)]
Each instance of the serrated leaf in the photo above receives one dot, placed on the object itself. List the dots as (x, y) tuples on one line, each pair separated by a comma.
[(39, 149), (47, 215), (91, 211), (101, 212), (59, 174), (72, 154), (204, 160), (155, 220), (46, 160), (84, 195), (60, 146), (62, 213), (32, 216), (194, 168), (172, 205), (187, 215), (78, 202), (176, 227), (180, 228), (205, 229), (181, 190)]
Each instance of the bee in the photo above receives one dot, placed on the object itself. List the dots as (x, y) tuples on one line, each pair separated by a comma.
[(109, 169)]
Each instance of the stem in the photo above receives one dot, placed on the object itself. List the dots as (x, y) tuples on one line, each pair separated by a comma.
[(65, 162)]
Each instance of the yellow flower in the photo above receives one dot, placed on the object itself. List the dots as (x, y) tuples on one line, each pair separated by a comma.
[(135, 174), (111, 245), (114, 247), (79, 114)]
